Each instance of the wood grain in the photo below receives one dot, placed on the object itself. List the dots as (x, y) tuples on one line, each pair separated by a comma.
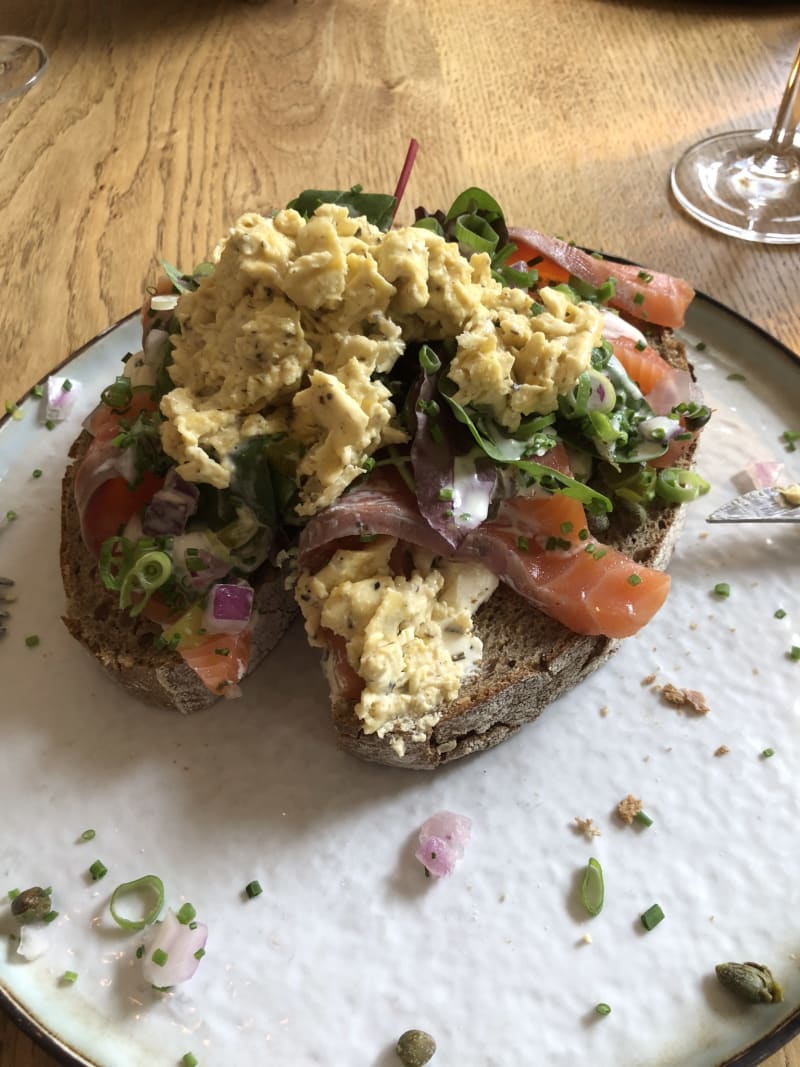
[(157, 124)]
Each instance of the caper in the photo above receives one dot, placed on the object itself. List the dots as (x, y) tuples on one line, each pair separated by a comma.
[(750, 981), (31, 905), (415, 1048)]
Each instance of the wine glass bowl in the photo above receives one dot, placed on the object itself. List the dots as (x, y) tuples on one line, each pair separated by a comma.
[(22, 62), (746, 183)]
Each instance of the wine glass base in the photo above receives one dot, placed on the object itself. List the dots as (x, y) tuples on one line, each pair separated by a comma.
[(22, 63), (733, 183)]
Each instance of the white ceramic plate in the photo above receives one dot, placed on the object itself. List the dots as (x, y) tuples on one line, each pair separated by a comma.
[(349, 945)]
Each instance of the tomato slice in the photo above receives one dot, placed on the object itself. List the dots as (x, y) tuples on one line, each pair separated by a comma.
[(550, 273), (113, 504)]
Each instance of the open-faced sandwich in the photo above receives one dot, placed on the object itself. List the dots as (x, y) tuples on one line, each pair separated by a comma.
[(462, 450)]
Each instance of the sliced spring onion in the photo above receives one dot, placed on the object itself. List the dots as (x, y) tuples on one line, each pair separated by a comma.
[(87, 835), (592, 887), (69, 977), (679, 486), (148, 884), (189, 1060), (643, 819), (36, 473), (768, 752), (602, 1009), (253, 889), (722, 589), (428, 360), (148, 573), (186, 913), (652, 917), (32, 640), (98, 870), (780, 614), (118, 395)]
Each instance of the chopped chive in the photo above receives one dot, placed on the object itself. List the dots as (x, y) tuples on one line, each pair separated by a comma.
[(652, 917), (642, 819), (767, 752), (592, 887), (50, 425), (602, 1009), (253, 889), (48, 918), (186, 913), (222, 652), (36, 474), (700, 346), (780, 614), (736, 378), (640, 345), (69, 977), (795, 653), (523, 544), (599, 553), (11, 516), (159, 957), (193, 925), (566, 527), (189, 1059), (464, 516), (67, 386), (199, 954), (789, 437), (140, 952), (38, 391), (445, 494), (87, 835), (722, 589), (98, 870), (638, 298), (634, 579), (447, 513), (643, 276), (583, 534), (32, 640)]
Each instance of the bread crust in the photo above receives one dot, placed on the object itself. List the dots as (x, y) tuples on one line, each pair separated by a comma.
[(529, 659), (126, 647)]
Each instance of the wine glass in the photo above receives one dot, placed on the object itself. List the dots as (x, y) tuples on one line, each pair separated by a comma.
[(22, 63), (746, 183)]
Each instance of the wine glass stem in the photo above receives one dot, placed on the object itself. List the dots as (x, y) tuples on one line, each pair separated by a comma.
[(788, 117)]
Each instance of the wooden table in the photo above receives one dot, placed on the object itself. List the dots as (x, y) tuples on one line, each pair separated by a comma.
[(158, 123)]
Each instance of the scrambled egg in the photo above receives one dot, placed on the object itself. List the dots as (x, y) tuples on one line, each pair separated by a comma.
[(410, 639), (290, 330)]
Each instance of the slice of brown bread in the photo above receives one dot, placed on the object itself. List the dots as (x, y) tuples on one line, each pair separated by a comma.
[(528, 660), (126, 647)]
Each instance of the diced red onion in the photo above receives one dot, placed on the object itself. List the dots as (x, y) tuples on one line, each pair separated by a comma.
[(229, 608), (59, 401), (33, 942), (764, 473), (171, 507), (441, 842), (180, 943)]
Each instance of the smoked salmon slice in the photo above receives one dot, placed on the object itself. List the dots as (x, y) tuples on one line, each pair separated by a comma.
[(650, 295), (644, 365), (219, 659), (552, 560)]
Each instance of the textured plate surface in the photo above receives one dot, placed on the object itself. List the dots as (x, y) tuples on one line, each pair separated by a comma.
[(349, 944)]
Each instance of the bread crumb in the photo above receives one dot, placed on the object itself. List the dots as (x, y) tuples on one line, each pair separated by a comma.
[(723, 750), (692, 625), (702, 536), (629, 808), (649, 679), (587, 939), (683, 698), (604, 710), (586, 827), (756, 670)]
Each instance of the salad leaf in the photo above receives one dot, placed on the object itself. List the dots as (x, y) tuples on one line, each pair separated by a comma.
[(510, 452), (377, 207)]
